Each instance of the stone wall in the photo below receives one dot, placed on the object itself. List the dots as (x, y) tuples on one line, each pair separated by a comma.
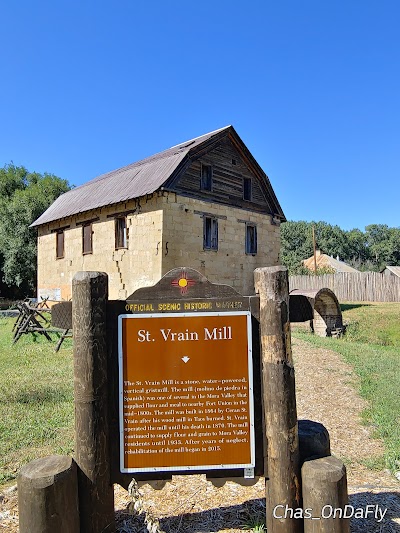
[(183, 231), (165, 231), (128, 269)]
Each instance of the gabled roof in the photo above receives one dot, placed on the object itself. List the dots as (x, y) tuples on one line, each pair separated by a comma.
[(141, 178), (393, 269), (326, 261)]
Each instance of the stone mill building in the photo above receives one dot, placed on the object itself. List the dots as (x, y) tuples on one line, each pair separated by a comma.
[(205, 204)]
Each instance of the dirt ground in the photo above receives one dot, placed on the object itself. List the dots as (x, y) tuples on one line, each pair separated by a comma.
[(326, 393)]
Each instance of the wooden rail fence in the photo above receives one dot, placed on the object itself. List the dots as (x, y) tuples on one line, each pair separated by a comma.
[(352, 287)]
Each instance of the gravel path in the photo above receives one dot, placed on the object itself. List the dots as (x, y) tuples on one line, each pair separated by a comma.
[(326, 393)]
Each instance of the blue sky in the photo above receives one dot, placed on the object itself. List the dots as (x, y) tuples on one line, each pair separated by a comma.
[(312, 87)]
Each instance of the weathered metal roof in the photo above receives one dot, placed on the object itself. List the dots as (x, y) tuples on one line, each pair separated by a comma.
[(133, 181)]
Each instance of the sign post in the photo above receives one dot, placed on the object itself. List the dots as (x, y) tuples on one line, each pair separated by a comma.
[(283, 487)]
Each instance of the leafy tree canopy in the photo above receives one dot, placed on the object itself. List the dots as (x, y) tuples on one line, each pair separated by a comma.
[(24, 196), (373, 249)]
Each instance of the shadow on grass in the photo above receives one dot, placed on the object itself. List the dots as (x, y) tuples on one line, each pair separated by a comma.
[(39, 396), (347, 307), (381, 501)]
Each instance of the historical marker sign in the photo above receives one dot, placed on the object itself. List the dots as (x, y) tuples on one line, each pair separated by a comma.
[(186, 391)]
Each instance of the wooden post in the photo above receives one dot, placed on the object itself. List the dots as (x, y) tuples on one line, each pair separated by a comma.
[(325, 495), (48, 496), (315, 250), (314, 441), (280, 416), (96, 494)]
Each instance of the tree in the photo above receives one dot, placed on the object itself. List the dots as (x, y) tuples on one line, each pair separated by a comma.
[(373, 249), (24, 196), (331, 240), (384, 244), (296, 245), (358, 245)]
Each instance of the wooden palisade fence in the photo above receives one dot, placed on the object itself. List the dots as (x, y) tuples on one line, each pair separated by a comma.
[(352, 287)]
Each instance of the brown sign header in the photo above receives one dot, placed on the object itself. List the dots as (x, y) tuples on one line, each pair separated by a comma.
[(183, 284)]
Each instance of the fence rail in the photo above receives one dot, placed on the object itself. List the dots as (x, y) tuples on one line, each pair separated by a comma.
[(353, 287)]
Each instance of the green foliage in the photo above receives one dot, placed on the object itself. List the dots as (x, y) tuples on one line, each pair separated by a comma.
[(371, 345), (36, 398), (296, 245), (324, 270), (358, 246), (256, 522), (373, 323), (384, 244), (371, 250), (256, 527), (24, 196)]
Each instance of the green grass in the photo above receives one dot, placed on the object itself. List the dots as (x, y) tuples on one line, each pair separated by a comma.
[(255, 522), (36, 398), (36, 386), (256, 527), (373, 323), (372, 346)]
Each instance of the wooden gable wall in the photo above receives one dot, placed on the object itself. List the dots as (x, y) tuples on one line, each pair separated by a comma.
[(229, 169)]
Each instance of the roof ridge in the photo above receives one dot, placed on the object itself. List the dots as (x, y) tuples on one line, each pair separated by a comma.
[(199, 137), (144, 177), (150, 158)]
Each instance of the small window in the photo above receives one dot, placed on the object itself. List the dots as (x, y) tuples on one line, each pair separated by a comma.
[(60, 244), (210, 233), (121, 240), (246, 188), (206, 177), (251, 239), (87, 242)]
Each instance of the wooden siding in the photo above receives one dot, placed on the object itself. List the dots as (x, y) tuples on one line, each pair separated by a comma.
[(227, 180), (353, 287)]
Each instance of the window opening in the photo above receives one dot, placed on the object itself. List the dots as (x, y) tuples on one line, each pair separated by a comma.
[(246, 188), (206, 177), (251, 239), (210, 233), (60, 244), (87, 241), (121, 240)]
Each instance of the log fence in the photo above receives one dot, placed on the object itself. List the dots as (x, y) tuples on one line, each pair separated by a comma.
[(352, 287)]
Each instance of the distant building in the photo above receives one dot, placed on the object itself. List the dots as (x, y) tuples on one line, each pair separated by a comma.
[(205, 204), (391, 271), (327, 262)]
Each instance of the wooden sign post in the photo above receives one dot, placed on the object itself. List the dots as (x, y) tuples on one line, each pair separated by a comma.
[(283, 487), (92, 437)]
